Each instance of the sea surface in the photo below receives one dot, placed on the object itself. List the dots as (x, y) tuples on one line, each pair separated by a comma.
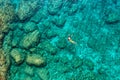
[(60, 39)]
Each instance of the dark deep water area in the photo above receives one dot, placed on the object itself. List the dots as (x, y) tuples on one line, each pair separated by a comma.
[(59, 39)]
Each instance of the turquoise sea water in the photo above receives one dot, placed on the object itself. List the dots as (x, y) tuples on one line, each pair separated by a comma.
[(62, 39)]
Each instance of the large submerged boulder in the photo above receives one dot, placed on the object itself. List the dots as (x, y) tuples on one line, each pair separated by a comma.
[(35, 60), (30, 26), (17, 55), (54, 6), (28, 8), (30, 39)]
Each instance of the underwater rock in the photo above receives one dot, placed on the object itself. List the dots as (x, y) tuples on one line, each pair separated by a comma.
[(98, 43), (62, 43), (17, 55), (64, 59), (103, 70), (30, 39), (6, 16), (7, 42), (59, 21), (63, 68), (18, 32), (54, 6), (89, 64), (16, 37), (29, 70), (112, 17), (77, 62), (87, 76), (47, 23), (73, 9), (51, 49), (28, 8), (1, 38), (19, 75), (0, 43), (35, 18), (42, 13), (42, 29), (35, 60), (48, 47), (7, 13), (15, 41), (50, 34), (92, 42), (30, 26), (43, 74)]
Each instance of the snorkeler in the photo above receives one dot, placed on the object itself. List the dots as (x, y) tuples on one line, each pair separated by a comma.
[(71, 40)]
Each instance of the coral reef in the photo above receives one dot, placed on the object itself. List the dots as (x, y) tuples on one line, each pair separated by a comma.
[(6, 16)]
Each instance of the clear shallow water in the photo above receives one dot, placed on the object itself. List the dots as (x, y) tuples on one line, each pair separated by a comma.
[(61, 40)]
